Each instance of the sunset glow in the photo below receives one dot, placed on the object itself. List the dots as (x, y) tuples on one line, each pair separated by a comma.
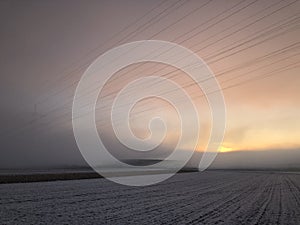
[(225, 149)]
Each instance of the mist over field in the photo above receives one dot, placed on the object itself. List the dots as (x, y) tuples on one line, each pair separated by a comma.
[(278, 159), (107, 109), (265, 159)]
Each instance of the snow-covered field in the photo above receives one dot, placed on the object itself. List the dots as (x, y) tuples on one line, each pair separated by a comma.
[(211, 197)]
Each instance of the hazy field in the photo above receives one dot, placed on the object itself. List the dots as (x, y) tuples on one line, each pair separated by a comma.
[(212, 197)]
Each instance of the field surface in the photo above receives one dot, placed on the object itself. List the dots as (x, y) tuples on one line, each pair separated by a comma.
[(211, 197)]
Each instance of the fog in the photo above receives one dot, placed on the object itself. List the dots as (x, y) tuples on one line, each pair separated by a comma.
[(46, 46), (266, 159)]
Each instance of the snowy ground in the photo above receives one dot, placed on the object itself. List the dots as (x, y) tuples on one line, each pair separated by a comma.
[(212, 197)]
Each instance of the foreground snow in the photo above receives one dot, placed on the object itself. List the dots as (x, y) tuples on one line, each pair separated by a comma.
[(212, 197)]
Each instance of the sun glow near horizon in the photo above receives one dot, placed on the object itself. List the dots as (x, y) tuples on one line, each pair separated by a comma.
[(225, 149)]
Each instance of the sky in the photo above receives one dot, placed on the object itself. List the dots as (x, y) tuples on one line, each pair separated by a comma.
[(251, 46)]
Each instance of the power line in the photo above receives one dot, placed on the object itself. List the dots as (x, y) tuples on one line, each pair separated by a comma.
[(67, 113), (74, 83), (80, 67), (196, 51)]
